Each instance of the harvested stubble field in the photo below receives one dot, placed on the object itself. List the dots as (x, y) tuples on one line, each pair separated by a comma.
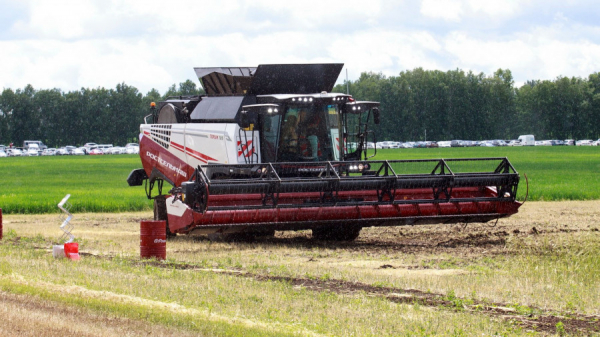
[(535, 272)]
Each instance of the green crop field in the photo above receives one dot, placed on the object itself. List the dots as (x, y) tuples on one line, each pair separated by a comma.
[(97, 183), (554, 172)]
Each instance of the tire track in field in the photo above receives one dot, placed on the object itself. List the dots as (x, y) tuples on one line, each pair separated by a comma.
[(529, 318), (175, 308)]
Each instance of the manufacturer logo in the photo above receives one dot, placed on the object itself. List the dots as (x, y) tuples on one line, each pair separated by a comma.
[(311, 169), (166, 164), (160, 241)]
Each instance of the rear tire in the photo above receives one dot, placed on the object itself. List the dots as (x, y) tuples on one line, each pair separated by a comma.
[(160, 212), (248, 236), (336, 233)]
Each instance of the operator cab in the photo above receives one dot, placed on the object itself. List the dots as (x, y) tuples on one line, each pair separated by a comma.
[(301, 133), (307, 128)]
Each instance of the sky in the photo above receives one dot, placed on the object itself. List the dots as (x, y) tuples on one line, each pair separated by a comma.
[(153, 44)]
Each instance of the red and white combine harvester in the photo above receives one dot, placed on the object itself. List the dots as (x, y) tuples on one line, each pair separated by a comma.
[(272, 148)]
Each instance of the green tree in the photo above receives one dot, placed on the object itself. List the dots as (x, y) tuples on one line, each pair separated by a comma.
[(51, 105), (23, 117), (187, 88)]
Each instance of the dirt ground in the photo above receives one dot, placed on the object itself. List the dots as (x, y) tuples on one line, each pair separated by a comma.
[(26, 316), (460, 240)]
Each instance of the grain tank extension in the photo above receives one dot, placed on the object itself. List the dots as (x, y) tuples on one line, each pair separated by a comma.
[(272, 148)]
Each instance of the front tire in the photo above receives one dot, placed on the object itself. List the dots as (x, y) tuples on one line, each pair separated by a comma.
[(246, 236), (160, 212), (336, 233)]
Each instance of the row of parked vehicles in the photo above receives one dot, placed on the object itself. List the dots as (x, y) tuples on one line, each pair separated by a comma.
[(529, 141), (37, 148)]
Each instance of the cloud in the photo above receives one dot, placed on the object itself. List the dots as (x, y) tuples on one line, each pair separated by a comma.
[(65, 19), (449, 10), (530, 56), (388, 52), (496, 8), (153, 44)]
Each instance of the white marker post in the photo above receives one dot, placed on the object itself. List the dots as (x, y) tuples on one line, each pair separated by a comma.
[(66, 217)]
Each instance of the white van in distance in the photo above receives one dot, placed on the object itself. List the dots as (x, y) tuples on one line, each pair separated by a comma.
[(527, 140)]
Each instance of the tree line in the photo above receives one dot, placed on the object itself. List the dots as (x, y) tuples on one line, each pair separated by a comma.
[(415, 105), (74, 118), (435, 105)]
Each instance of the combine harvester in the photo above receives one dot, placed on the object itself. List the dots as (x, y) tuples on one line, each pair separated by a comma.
[(272, 148)]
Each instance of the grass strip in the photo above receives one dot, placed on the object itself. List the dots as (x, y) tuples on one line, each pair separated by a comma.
[(139, 309)]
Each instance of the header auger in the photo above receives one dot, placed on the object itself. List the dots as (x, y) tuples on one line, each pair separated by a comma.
[(270, 148)]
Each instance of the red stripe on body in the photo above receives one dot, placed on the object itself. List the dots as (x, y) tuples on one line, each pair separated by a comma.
[(200, 156)]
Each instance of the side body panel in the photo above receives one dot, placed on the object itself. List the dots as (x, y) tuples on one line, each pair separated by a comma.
[(176, 150)]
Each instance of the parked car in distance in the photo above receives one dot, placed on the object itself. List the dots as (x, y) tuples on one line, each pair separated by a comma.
[(14, 152), (444, 143), (570, 142), (49, 152), (385, 145), (104, 147), (80, 151), (62, 151), (96, 151), (584, 142), (114, 150), (515, 142), (32, 152), (499, 142), (3, 154), (136, 150), (89, 147)]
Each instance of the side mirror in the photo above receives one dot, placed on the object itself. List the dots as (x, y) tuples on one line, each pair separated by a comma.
[(376, 115), (244, 120)]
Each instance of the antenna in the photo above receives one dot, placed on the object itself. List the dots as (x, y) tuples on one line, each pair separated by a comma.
[(347, 85)]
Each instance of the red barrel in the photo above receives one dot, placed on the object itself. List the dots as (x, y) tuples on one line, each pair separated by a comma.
[(0, 223), (153, 239)]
